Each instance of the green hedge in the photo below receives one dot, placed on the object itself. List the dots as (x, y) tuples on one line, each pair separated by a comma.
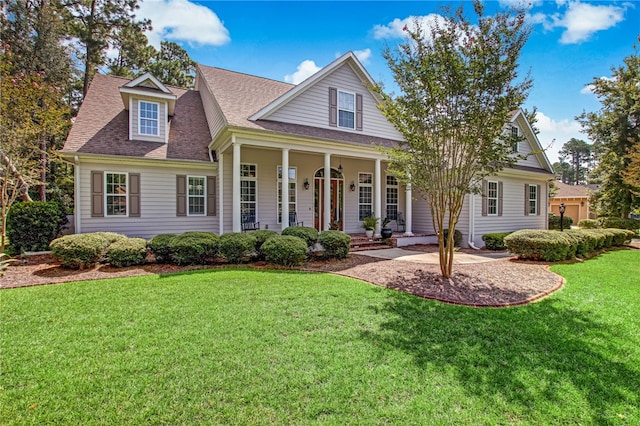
[(495, 241), (554, 221), (127, 252), (286, 250), (81, 251), (310, 235), (193, 248), (588, 224), (552, 246), (261, 236), (619, 223), (160, 247), (336, 244), (32, 225), (237, 247)]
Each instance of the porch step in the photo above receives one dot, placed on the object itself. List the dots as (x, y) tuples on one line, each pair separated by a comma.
[(364, 243)]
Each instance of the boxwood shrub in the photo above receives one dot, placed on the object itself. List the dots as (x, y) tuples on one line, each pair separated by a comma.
[(193, 247), (588, 223), (80, 251), (310, 235), (619, 223), (495, 241), (127, 252), (287, 250), (159, 246), (336, 244), (540, 245), (31, 226), (237, 247), (262, 235)]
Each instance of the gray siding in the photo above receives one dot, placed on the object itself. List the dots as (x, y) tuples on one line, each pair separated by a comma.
[(162, 119), (157, 203), (215, 118), (311, 108)]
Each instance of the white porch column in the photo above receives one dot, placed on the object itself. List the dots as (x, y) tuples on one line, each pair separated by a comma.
[(326, 223), (408, 206), (377, 196), (285, 188), (235, 170), (221, 193)]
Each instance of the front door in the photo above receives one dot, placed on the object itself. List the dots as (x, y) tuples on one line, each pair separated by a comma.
[(337, 188)]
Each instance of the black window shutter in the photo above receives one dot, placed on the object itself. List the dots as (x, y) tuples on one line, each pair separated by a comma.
[(181, 195), (211, 196), (333, 107), (97, 194)]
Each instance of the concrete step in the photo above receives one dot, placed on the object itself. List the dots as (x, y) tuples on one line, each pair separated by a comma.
[(363, 243)]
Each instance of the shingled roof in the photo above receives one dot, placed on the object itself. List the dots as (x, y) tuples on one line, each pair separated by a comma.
[(101, 126), (571, 191)]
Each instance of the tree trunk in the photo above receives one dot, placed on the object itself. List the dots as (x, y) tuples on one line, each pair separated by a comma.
[(43, 168), (24, 186)]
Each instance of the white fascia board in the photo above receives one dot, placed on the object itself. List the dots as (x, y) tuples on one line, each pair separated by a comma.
[(78, 158), (134, 91), (348, 57), (533, 139), (148, 76)]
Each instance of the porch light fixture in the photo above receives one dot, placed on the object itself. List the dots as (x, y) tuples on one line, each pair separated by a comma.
[(352, 187), (340, 167), (306, 183)]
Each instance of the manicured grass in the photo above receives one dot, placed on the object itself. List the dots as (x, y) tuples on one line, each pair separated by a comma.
[(246, 347)]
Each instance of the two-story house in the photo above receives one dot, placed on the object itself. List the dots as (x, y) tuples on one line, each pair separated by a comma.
[(241, 150)]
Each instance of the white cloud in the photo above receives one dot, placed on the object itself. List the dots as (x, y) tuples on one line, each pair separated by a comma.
[(526, 4), (555, 133), (305, 70), (588, 89), (581, 20), (363, 55), (396, 28), (181, 20)]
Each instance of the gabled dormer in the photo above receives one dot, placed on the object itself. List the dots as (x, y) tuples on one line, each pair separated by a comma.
[(150, 105)]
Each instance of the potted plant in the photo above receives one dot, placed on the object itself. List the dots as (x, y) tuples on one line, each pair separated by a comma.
[(369, 224), (386, 232)]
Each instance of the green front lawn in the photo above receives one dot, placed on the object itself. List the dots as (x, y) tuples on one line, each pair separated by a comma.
[(246, 347)]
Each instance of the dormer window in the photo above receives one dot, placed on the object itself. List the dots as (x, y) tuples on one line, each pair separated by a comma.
[(148, 123), (346, 110)]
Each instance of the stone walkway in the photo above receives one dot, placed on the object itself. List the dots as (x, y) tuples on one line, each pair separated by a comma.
[(432, 258)]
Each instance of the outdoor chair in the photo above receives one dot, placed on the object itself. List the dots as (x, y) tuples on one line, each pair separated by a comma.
[(293, 219), (400, 223), (249, 222)]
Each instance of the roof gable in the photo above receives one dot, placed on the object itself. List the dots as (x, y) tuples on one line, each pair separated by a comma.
[(520, 119), (148, 86)]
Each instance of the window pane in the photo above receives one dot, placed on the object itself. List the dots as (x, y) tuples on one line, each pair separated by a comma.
[(346, 101), (366, 178), (345, 119), (196, 186), (391, 180), (196, 205)]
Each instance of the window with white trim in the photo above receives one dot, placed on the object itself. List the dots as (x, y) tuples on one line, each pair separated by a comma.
[(392, 197), (148, 118), (248, 193), (492, 198), (116, 194), (196, 193), (533, 199), (346, 110), (292, 194), (365, 195), (515, 145)]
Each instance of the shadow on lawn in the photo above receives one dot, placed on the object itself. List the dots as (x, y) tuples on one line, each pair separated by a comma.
[(528, 356)]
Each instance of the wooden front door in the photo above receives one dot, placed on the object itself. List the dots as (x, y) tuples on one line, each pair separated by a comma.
[(337, 188)]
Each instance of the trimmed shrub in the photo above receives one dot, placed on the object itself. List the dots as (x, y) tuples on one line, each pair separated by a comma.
[(111, 237), (495, 241), (127, 252), (588, 223), (193, 248), (159, 246), (549, 246), (457, 237), (237, 247), (619, 223), (584, 242), (261, 236), (554, 221), (336, 244), (287, 250), (80, 251), (31, 226), (310, 235)]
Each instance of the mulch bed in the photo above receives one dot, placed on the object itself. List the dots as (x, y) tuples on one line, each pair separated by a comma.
[(497, 283)]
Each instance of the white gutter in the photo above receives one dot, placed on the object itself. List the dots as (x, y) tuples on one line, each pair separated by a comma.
[(472, 220), (76, 195)]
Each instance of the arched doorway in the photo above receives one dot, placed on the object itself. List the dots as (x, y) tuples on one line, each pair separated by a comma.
[(337, 199)]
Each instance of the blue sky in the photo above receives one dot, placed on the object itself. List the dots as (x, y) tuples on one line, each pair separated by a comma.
[(572, 42)]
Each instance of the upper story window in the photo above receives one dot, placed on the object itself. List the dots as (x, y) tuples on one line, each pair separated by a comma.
[(515, 133), (148, 120), (346, 110)]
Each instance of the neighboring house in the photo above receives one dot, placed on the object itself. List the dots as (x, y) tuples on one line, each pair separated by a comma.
[(153, 159), (575, 199)]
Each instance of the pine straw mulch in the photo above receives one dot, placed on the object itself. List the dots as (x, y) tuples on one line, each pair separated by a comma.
[(504, 282)]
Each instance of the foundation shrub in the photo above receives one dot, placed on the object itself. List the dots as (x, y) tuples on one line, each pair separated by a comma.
[(286, 250), (336, 244), (159, 246), (495, 241), (192, 248), (237, 247), (619, 223), (588, 223), (31, 226), (79, 251), (583, 242), (261, 236), (127, 252), (457, 237), (548, 246), (308, 234)]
